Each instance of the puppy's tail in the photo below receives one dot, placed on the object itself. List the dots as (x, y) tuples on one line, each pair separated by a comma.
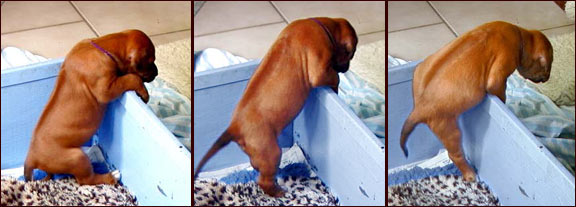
[(409, 125), (221, 142)]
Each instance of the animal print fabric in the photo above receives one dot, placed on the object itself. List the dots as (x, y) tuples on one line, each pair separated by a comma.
[(300, 191), (63, 192), (444, 190)]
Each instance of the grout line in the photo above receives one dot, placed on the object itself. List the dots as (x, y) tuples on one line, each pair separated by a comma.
[(374, 32), (443, 19), (556, 27), (165, 33), (280, 12), (85, 19), (42, 27), (201, 4), (426, 25), (230, 30)]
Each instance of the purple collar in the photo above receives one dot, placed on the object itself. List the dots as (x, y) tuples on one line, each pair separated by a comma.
[(325, 30), (103, 50)]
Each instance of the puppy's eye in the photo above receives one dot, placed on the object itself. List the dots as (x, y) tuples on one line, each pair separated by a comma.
[(346, 51), (350, 53)]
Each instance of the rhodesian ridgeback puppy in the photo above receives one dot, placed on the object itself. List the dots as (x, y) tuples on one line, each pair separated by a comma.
[(458, 76), (94, 73), (308, 53)]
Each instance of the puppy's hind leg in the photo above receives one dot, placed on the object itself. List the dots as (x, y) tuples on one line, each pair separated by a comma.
[(28, 168), (80, 166), (269, 162), (265, 157), (447, 130)]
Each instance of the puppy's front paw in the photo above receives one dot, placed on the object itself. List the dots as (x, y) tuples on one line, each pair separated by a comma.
[(143, 93)]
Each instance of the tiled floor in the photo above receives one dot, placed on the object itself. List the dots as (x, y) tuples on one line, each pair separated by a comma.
[(50, 29), (249, 28), (417, 29)]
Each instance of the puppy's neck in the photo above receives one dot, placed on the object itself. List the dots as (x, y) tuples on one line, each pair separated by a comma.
[(115, 56), (104, 51)]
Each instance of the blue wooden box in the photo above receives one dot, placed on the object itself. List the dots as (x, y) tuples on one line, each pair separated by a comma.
[(505, 154), (154, 166), (345, 154)]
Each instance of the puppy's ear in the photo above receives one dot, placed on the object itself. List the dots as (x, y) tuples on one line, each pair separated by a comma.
[(542, 61)]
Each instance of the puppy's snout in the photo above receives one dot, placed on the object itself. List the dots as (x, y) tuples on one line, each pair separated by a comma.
[(544, 77), (541, 79), (150, 74)]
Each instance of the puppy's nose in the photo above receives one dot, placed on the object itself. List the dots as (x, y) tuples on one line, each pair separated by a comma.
[(152, 73), (540, 80), (342, 68), (148, 78)]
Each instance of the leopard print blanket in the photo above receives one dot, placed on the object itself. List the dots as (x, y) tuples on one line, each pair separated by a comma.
[(63, 192), (443, 190), (300, 191)]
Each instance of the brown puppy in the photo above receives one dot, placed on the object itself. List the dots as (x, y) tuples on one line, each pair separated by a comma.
[(308, 53), (95, 72), (459, 75)]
